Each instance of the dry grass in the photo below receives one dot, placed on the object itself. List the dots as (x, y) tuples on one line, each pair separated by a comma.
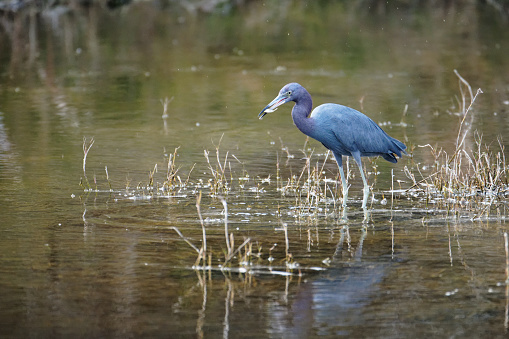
[(313, 191), (468, 180), (87, 145)]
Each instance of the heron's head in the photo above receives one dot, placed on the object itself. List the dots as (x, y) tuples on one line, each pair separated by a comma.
[(289, 92)]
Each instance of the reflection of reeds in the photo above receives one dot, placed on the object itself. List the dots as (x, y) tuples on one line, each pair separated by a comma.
[(230, 240), (202, 251), (244, 253)]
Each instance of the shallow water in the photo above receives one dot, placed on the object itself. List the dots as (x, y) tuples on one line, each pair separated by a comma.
[(101, 262)]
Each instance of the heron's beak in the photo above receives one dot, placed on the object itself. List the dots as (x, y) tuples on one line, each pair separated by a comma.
[(274, 104)]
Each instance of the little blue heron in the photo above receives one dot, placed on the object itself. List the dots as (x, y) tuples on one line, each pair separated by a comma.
[(343, 130)]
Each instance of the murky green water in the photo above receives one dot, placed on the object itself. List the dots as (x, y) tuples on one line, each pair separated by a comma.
[(103, 263)]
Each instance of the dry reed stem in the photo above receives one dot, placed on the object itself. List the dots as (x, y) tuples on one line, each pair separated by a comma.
[(172, 170), (219, 182), (151, 176), (185, 239), (226, 233), (86, 148), (287, 243), (108, 178), (165, 105), (237, 250)]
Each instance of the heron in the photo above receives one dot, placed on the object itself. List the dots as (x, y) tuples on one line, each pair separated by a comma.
[(341, 129)]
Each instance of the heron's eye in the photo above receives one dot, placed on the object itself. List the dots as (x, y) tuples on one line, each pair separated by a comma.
[(289, 93)]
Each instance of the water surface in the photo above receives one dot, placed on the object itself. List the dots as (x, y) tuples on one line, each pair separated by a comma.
[(95, 263)]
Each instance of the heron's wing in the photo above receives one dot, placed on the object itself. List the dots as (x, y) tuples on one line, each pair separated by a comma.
[(348, 130)]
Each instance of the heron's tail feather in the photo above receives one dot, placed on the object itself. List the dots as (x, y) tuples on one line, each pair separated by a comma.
[(390, 157), (398, 148)]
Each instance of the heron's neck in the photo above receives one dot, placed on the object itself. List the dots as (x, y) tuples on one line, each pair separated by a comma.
[(300, 113)]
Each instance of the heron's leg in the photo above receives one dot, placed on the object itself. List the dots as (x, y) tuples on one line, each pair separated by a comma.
[(344, 183), (357, 158)]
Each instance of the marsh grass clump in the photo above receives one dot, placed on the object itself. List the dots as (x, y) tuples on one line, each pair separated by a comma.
[(172, 179), (222, 174), (474, 180), (219, 183), (168, 182), (470, 179), (313, 191), (310, 187), (170, 185)]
